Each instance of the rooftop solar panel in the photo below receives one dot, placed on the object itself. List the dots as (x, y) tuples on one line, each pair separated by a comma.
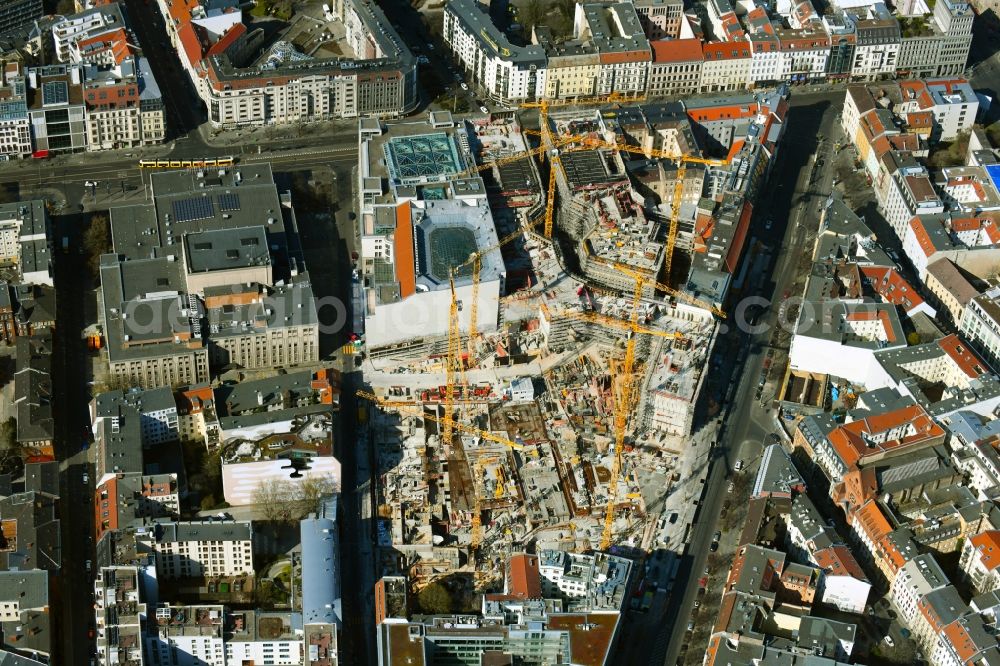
[(197, 208), (55, 92), (229, 202)]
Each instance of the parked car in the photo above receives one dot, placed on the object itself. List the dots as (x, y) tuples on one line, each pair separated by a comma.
[(465, 86), (717, 536), (731, 488), (889, 641), (739, 465), (484, 109)]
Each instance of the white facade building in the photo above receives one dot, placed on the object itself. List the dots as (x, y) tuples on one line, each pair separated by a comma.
[(203, 549), (916, 578), (505, 72), (186, 636)]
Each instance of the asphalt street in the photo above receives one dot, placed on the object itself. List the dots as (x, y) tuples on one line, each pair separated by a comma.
[(794, 206), (70, 410)]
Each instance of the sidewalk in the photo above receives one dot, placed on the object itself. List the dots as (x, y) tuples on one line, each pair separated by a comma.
[(303, 135)]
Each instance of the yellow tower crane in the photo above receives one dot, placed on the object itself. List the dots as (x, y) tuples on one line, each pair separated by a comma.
[(414, 410), (675, 216), (614, 322), (550, 196), (682, 159), (454, 359), (477, 509), (531, 152), (623, 403), (476, 259), (680, 295)]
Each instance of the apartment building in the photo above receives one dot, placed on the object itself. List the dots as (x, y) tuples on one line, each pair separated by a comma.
[(980, 325), (259, 637), (202, 549), (936, 610), (120, 613), (616, 32), (506, 73), (980, 561), (22, 225), (767, 62), (286, 85), (951, 288), (124, 104), (68, 31), (15, 126), (726, 66), (33, 395), (910, 194), (584, 582), (805, 53), (954, 19), (17, 13), (56, 108), (572, 69), (676, 67), (178, 635), (269, 327), (126, 500), (154, 408), (916, 579), (661, 18), (876, 52)]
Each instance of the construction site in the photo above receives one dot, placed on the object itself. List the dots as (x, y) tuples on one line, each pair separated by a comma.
[(546, 396)]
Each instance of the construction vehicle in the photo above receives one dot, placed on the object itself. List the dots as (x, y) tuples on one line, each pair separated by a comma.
[(414, 410)]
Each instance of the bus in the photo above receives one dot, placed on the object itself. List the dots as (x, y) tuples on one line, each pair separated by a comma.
[(199, 163)]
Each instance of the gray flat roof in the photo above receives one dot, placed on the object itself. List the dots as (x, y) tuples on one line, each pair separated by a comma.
[(476, 22), (207, 530), (226, 249), (197, 200)]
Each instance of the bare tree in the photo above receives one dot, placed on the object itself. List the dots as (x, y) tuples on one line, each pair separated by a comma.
[(273, 497), (283, 500), (312, 491)]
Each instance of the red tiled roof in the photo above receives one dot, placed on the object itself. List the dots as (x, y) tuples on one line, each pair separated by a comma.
[(677, 50), (881, 315), (962, 644), (987, 545), (851, 443), (403, 246), (838, 561), (525, 582), (892, 287), (190, 42), (228, 39), (872, 521), (964, 358), (923, 238), (725, 50), (920, 120)]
